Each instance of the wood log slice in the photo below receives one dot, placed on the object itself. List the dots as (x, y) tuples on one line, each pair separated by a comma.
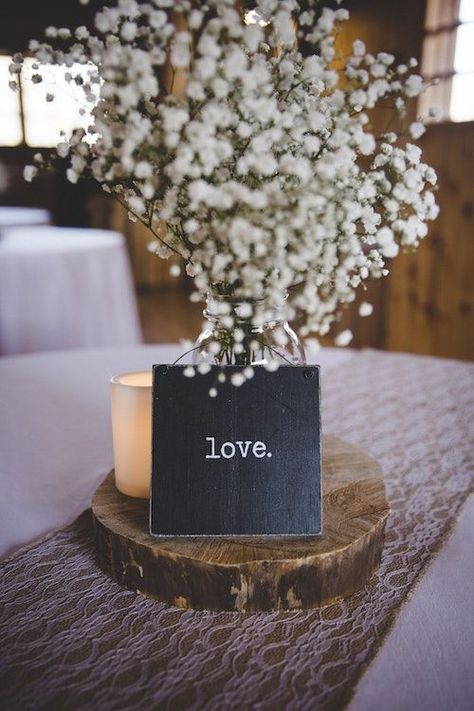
[(253, 573)]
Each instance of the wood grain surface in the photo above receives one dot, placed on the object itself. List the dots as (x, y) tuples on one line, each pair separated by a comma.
[(253, 573)]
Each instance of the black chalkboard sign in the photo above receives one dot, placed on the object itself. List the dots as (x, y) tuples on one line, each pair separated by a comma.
[(247, 462)]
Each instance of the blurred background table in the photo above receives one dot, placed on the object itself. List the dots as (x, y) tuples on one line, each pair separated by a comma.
[(19, 216), (65, 288)]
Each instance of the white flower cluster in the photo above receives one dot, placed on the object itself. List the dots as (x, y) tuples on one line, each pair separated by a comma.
[(262, 163)]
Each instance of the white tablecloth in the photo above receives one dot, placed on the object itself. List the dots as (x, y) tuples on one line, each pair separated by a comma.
[(16, 216), (65, 288), (55, 440)]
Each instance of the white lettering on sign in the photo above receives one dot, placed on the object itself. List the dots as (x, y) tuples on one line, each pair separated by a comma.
[(228, 450)]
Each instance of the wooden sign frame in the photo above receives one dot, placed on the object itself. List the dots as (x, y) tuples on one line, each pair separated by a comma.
[(245, 463)]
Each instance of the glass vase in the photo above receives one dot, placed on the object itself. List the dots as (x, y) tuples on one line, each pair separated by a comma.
[(231, 335)]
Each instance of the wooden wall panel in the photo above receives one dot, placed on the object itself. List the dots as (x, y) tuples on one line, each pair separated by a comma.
[(426, 303), (395, 27), (431, 292)]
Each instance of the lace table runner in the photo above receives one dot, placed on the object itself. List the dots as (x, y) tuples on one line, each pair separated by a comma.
[(71, 638)]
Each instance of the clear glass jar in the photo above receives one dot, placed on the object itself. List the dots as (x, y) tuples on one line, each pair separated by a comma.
[(230, 338)]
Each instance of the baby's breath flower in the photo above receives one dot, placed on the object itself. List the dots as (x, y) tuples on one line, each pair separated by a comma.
[(203, 368), (253, 157), (365, 309), (417, 129), (62, 149), (344, 338), (312, 345), (237, 379), (72, 176), (29, 172)]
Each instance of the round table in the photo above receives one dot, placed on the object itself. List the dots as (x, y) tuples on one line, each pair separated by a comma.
[(65, 288), (55, 439), (18, 216)]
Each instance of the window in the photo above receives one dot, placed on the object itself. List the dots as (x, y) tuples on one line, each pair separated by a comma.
[(27, 118), (11, 132), (448, 59)]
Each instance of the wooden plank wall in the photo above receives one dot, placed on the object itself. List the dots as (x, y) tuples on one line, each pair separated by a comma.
[(431, 292), (426, 304)]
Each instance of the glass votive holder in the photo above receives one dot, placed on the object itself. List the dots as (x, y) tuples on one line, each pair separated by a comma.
[(131, 401)]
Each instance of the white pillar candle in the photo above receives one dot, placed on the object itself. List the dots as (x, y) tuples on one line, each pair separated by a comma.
[(130, 399)]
